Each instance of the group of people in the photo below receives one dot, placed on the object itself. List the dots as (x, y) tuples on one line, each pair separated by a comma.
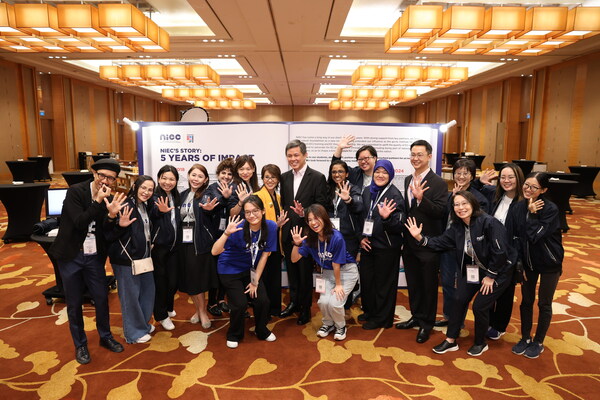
[(229, 239)]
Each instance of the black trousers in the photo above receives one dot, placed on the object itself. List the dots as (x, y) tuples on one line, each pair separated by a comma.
[(165, 280), (421, 267), (379, 270), (216, 294), (77, 274), (548, 283), (235, 286), (481, 307), (300, 280), (271, 279), (502, 311)]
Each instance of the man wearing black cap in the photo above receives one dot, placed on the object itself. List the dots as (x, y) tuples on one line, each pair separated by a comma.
[(81, 252)]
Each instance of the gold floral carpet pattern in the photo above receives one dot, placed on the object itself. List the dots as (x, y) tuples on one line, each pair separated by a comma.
[(37, 354)]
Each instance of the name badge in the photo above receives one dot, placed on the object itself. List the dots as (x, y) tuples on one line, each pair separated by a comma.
[(472, 274), (253, 277), (222, 224), (89, 245), (188, 235), (336, 223), (319, 284), (368, 227)]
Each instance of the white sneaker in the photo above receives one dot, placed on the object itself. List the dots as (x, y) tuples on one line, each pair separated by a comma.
[(144, 339), (271, 337), (171, 314), (325, 330), (167, 324), (195, 319), (340, 333), (152, 328), (231, 344)]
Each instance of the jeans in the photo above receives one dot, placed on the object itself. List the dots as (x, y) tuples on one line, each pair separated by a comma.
[(136, 295), (331, 307)]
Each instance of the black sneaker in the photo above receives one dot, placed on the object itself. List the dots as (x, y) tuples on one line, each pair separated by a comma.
[(477, 349), (215, 310), (340, 333), (520, 347), (445, 346), (325, 330), (534, 350), (224, 307)]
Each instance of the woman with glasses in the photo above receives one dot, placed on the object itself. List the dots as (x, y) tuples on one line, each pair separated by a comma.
[(243, 250), (222, 189), (198, 273), (271, 277), (542, 253), (503, 198), (327, 247), (380, 247), (366, 156), (245, 182), (480, 248), (463, 172)]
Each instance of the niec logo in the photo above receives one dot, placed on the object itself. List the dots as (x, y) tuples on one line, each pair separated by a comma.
[(170, 137)]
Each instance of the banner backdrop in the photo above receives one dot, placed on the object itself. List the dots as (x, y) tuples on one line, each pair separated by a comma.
[(183, 144)]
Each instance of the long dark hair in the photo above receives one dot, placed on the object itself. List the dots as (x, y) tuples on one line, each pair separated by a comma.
[(318, 211), (239, 163), (331, 185), (520, 180), (132, 194), (160, 192), (264, 230), (470, 197), (202, 188)]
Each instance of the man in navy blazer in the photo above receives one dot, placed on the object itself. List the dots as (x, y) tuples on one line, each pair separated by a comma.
[(300, 187), (426, 197)]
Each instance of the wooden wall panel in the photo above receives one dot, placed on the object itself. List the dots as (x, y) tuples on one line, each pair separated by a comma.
[(102, 119), (10, 117), (589, 146), (30, 111), (59, 123), (84, 119)]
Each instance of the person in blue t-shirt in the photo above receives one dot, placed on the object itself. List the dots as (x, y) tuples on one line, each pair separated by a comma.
[(327, 247), (243, 249)]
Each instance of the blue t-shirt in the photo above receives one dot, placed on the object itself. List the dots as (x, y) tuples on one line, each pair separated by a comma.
[(327, 253), (237, 256)]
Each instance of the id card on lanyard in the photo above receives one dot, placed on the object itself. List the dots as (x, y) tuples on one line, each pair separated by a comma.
[(319, 283), (89, 244), (472, 273), (335, 221), (254, 254), (369, 222), (319, 279), (188, 234)]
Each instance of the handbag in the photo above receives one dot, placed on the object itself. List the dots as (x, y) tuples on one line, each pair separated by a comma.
[(140, 266)]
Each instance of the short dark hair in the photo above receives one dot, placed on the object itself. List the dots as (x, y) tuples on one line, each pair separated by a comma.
[(470, 197), (227, 163), (319, 212), (465, 163), (368, 148), (425, 143), (542, 178), (273, 170), (296, 143), (256, 201)]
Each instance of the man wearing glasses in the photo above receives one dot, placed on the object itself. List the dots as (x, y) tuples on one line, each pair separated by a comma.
[(366, 157), (80, 249), (426, 197)]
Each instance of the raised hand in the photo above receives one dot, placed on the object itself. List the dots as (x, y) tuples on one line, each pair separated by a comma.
[(125, 217), (225, 190), (209, 205), (163, 204), (297, 208), (297, 237), (457, 188), (103, 193), (346, 142), (535, 206), (387, 208), (283, 219), (418, 189), (232, 227), (241, 192), (117, 203), (343, 191), (415, 231), (487, 176)]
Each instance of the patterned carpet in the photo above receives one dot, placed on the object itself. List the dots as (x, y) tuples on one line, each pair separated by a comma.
[(38, 358)]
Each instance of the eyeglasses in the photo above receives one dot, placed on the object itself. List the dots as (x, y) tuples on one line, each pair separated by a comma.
[(256, 212), (463, 204), (102, 177), (270, 178), (364, 159), (338, 172), (508, 178), (527, 186), (417, 155)]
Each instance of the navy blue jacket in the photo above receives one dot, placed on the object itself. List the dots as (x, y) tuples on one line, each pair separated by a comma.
[(204, 232), (349, 214), (541, 248), (162, 229), (355, 174), (488, 237), (387, 233), (223, 208)]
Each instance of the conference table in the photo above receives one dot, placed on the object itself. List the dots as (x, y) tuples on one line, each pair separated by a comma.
[(41, 168), (586, 180), (22, 170), (559, 192), (566, 176), (498, 165), (73, 177), (23, 204), (477, 158), (526, 166), (451, 158)]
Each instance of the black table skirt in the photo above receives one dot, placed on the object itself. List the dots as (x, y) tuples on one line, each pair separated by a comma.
[(23, 205), (559, 192), (22, 171), (587, 175), (41, 168), (75, 177), (526, 166)]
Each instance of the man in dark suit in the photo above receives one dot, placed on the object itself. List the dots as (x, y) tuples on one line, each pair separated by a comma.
[(300, 187), (426, 197), (80, 249)]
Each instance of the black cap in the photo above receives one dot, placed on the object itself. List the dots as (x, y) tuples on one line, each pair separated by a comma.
[(107, 163)]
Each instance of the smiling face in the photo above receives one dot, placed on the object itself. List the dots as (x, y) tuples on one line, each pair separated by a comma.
[(253, 215), (245, 172), (366, 161), (532, 189), (338, 173), (381, 177), (315, 223), (225, 176), (462, 208), (296, 160), (419, 158), (145, 191), (270, 181), (196, 178), (167, 181), (462, 177), (508, 180), (104, 177)]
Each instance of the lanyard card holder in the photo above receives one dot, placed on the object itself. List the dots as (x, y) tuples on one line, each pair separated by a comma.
[(188, 233), (472, 273), (89, 245), (319, 283), (336, 223), (368, 227)]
